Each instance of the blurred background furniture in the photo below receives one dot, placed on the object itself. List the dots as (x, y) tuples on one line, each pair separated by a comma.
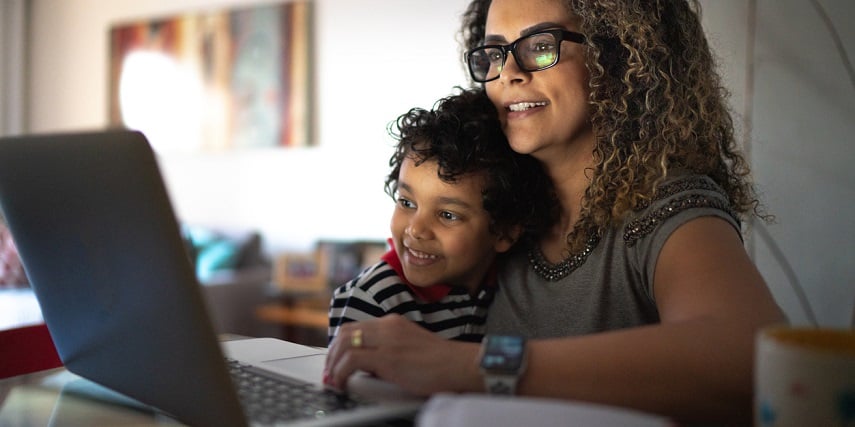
[(300, 317), (235, 276), (303, 283)]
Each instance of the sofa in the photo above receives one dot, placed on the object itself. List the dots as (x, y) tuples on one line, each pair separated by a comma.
[(235, 275)]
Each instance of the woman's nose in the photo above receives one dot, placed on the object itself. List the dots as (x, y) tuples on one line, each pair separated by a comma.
[(511, 70)]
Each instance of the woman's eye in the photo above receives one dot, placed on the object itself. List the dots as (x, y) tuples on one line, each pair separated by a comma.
[(543, 47)]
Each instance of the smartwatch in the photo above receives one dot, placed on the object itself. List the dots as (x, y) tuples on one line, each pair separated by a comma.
[(503, 360)]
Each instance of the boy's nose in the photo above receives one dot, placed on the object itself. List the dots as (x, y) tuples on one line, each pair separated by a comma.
[(417, 228)]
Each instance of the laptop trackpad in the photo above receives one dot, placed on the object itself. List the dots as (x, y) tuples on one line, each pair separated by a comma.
[(308, 368)]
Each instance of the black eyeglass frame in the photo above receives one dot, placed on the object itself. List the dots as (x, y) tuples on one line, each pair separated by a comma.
[(559, 34)]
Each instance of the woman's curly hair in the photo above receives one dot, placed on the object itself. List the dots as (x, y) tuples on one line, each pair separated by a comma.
[(657, 105), (463, 135)]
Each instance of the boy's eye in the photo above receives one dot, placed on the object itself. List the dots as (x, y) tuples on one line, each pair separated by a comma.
[(405, 203), (449, 216)]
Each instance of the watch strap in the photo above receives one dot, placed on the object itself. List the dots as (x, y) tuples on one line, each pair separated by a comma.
[(500, 384), (503, 361)]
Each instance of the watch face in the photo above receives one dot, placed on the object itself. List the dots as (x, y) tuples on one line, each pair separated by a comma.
[(503, 353)]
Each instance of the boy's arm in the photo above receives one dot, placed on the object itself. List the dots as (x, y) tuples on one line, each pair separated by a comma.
[(358, 299)]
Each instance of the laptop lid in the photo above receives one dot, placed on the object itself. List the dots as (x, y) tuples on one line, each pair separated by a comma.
[(102, 248)]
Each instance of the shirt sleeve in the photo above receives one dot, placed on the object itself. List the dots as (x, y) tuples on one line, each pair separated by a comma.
[(374, 293), (675, 203)]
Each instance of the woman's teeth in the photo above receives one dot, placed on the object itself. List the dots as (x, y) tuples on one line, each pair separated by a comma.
[(522, 106)]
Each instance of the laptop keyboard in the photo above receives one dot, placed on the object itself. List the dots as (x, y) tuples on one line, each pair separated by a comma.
[(269, 399)]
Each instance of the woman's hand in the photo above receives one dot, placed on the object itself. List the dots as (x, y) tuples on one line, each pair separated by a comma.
[(401, 352)]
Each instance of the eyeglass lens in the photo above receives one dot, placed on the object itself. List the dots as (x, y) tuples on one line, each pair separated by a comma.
[(531, 53)]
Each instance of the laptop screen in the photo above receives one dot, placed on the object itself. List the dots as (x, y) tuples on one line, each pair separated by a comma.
[(100, 242)]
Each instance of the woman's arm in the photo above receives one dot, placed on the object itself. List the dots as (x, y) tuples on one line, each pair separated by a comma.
[(398, 350), (695, 365)]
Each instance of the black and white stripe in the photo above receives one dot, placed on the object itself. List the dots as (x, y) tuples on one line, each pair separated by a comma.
[(378, 291)]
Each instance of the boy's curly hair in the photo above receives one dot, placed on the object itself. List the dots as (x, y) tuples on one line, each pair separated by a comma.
[(657, 105), (462, 134)]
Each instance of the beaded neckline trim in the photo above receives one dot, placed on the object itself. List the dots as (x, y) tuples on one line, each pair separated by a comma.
[(555, 272), (701, 192)]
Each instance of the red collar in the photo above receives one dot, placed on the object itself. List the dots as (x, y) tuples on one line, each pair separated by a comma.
[(431, 293)]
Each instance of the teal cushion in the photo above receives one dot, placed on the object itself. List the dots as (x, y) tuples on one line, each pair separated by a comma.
[(216, 256), (212, 251)]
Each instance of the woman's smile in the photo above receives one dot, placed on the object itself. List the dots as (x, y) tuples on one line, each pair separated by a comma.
[(523, 106)]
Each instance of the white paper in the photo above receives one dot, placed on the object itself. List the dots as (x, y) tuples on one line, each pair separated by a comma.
[(479, 410)]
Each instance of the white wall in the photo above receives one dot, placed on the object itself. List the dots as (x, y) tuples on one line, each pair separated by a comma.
[(375, 60), (378, 58), (801, 111), (803, 154)]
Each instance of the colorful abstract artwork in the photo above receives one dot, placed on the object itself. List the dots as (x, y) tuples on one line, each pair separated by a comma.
[(228, 79)]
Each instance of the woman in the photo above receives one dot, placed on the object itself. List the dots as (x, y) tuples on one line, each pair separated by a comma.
[(642, 295)]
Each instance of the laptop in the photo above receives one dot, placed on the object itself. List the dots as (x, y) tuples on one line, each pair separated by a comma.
[(101, 244)]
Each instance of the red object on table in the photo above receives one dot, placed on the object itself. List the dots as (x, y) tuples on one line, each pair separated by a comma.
[(27, 349)]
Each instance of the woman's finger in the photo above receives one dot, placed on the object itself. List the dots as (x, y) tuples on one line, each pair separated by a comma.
[(350, 336)]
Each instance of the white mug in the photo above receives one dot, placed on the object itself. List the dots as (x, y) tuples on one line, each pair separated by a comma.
[(804, 377)]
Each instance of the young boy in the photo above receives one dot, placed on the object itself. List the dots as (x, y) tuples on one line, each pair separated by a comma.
[(463, 198)]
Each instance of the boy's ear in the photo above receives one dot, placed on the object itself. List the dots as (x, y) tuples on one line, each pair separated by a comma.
[(507, 239)]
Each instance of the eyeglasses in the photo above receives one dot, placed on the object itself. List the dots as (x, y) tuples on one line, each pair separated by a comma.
[(533, 52)]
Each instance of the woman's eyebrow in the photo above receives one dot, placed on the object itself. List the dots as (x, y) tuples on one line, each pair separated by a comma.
[(536, 28), (543, 26), (491, 39)]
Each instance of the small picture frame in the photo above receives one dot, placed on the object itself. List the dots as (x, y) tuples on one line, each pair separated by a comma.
[(332, 264), (300, 272), (344, 260)]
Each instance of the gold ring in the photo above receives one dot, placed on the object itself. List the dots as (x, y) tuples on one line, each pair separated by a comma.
[(356, 339)]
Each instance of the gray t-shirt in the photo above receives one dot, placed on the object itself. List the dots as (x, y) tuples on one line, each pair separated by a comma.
[(613, 286)]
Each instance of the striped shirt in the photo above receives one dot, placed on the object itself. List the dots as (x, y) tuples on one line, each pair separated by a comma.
[(381, 289)]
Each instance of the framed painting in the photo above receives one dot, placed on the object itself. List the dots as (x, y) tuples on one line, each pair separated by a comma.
[(227, 79)]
